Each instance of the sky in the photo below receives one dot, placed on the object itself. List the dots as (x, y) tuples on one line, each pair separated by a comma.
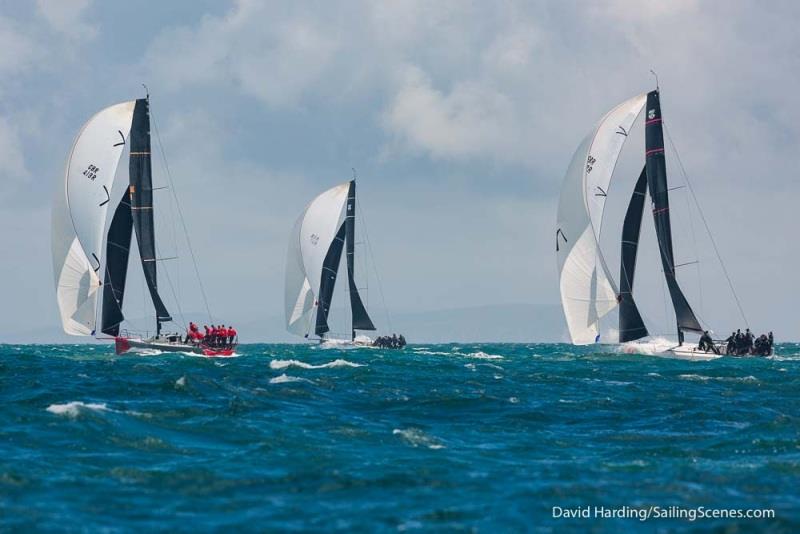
[(459, 117)]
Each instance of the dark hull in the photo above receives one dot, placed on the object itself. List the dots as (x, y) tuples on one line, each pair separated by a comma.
[(123, 345)]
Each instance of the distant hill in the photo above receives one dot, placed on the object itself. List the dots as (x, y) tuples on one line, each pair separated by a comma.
[(507, 323)]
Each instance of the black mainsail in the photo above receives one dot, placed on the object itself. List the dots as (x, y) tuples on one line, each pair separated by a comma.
[(330, 268), (141, 203), (117, 250), (631, 325), (659, 193), (361, 320)]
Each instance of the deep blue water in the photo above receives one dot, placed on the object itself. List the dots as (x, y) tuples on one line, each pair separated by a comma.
[(441, 437)]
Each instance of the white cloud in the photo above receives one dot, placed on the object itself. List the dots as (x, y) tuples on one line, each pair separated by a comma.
[(275, 64), (470, 120), (17, 49), (66, 17), (12, 161)]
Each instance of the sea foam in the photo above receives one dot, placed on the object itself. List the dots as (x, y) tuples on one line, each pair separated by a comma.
[(285, 364), (417, 438), (286, 379), (74, 408)]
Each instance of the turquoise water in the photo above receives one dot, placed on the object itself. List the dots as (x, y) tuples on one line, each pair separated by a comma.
[(440, 437)]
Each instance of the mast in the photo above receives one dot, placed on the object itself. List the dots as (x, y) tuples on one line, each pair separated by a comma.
[(141, 203), (361, 320), (659, 193), (631, 325)]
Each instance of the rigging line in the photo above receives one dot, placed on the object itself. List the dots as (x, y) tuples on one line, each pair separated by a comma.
[(708, 229), (694, 245), (174, 295), (180, 215), (374, 264)]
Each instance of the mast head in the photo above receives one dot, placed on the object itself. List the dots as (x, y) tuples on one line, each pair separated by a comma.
[(147, 92), (656, 77)]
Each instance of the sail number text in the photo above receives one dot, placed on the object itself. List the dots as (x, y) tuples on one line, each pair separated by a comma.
[(590, 161), (91, 172)]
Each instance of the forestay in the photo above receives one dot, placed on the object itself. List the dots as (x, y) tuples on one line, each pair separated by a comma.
[(79, 215), (588, 291)]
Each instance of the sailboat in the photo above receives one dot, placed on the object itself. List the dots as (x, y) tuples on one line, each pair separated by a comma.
[(588, 290), (90, 255), (322, 231)]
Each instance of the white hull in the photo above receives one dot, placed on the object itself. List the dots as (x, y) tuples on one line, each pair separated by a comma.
[(688, 352), (358, 342), (691, 353)]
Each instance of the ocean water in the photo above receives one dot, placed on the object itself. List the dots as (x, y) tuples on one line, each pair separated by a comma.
[(486, 438)]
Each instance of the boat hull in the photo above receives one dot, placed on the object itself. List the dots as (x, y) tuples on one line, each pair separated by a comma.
[(125, 344), (691, 353), (359, 342), (682, 352)]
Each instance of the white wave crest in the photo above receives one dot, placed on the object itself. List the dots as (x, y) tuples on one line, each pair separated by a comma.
[(285, 364), (73, 409), (286, 379), (417, 438), (138, 351), (480, 355), (704, 378), (432, 352)]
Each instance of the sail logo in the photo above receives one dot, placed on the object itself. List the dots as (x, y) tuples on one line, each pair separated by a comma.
[(651, 114), (91, 172), (314, 239)]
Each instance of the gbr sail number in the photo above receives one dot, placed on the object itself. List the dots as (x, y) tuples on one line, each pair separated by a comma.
[(590, 161), (91, 172)]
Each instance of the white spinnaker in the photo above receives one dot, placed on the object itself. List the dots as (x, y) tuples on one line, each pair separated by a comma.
[(309, 242), (79, 215), (298, 300), (588, 291)]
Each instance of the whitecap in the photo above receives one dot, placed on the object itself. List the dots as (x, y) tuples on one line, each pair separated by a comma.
[(285, 364), (703, 378), (417, 438), (74, 408), (483, 356), (432, 352), (181, 382), (145, 352), (286, 379), (513, 400)]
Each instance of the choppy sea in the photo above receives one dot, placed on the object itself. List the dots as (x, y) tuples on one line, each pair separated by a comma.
[(487, 438)]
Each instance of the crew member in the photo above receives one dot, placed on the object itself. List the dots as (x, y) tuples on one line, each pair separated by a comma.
[(730, 344), (706, 343)]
